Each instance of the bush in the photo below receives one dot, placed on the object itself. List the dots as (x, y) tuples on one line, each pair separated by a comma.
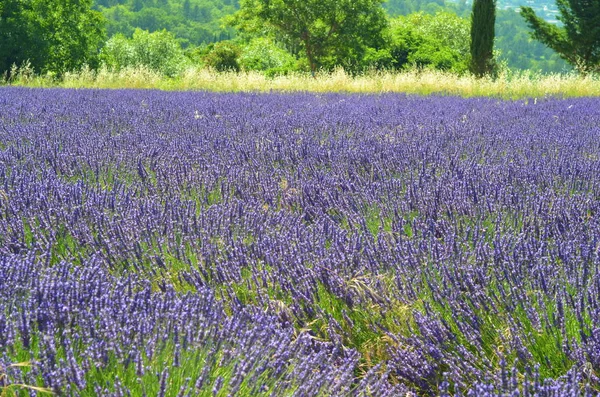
[(223, 56), (378, 59), (439, 41), (158, 51), (262, 54)]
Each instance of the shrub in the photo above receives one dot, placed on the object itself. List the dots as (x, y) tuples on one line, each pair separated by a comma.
[(158, 51), (439, 41), (223, 56), (262, 54)]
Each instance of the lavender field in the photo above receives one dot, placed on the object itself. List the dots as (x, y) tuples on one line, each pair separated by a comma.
[(184, 244)]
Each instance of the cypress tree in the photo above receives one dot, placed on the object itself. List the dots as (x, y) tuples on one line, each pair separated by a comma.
[(187, 9), (483, 18)]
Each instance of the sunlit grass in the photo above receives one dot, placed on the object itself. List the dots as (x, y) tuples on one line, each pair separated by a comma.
[(511, 85)]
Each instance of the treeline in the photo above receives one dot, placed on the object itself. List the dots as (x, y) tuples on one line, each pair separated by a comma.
[(199, 22), (168, 36)]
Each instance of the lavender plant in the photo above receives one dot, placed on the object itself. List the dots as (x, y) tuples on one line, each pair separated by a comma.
[(178, 244)]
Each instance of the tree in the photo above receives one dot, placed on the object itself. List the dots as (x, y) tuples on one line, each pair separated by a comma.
[(263, 54), (578, 40), (137, 5), (329, 32), (17, 27), (483, 18), (74, 34), (519, 51), (52, 35), (187, 9), (158, 51), (223, 57), (439, 41)]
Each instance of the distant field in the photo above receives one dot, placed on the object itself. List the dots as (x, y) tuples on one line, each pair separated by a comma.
[(508, 86), (192, 243)]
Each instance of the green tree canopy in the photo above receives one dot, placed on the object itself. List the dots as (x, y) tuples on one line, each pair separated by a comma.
[(53, 35), (17, 27), (578, 40), (158, 51), (328, 32), (439, 41), (263, 54), (223, 56), (518, 50)]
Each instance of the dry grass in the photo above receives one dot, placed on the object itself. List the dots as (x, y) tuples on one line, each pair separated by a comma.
[(513, 85)]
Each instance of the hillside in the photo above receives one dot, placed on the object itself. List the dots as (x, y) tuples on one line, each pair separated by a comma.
[(194, 22)]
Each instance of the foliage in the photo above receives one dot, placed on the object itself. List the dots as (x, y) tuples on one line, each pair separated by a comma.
[(483, 20), (519, 51), (330, 33), (406, 7), (578, 40), (17, 27), (263, 54), (53, 35), (223, 56), (194, 22), (198, 23), (437, 41), (513, 46), (158, 51)]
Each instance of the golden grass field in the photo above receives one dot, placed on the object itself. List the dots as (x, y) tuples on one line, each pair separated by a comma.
[(509, 85)]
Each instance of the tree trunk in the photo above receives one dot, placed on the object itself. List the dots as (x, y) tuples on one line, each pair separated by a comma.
[(309, 54)]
